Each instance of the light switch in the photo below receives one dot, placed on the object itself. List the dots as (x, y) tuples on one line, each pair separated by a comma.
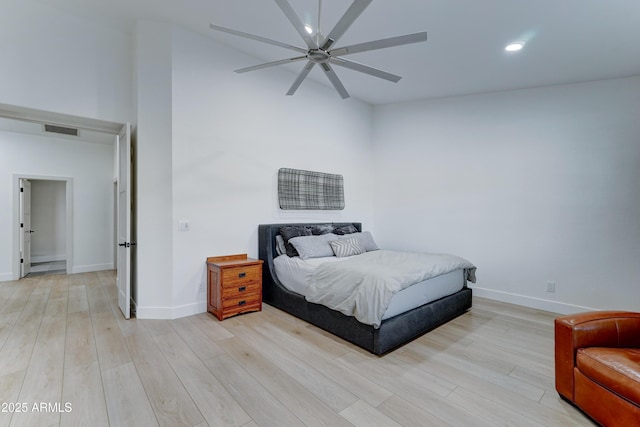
[(183, 225)]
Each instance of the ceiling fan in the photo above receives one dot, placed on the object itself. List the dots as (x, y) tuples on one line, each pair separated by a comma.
[(320, 50)]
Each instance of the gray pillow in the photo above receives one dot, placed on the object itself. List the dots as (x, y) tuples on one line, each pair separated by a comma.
[(313, 246), (287, 232), (345, 229), (346, 247), (322, 229), (365, 240)]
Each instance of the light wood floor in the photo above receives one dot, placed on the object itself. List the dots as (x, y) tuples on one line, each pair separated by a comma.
[(65, 348)]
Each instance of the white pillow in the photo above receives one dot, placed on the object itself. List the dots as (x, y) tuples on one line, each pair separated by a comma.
[(346, 247), (365, 240), (313, 246), (280, 247)]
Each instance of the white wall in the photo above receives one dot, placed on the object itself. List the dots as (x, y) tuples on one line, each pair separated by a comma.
[(153, 282), (48, 220), (230, 135), (91, 168), (59, 62), (532, 186)]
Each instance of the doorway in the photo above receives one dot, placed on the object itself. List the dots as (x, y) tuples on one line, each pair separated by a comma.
[(44, 219), (48, 227), (94, 130)]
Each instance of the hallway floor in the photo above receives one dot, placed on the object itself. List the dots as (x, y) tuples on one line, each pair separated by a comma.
[(44, 268)]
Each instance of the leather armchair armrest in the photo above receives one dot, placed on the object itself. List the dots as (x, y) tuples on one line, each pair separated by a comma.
[(590, 329)]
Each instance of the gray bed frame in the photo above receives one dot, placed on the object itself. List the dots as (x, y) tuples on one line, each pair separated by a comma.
[(393, 332)]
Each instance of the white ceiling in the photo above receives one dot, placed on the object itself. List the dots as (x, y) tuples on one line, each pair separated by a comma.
[(566, 40)]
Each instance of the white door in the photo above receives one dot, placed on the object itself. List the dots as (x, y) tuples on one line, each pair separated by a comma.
[(25, 227), (123, 143)]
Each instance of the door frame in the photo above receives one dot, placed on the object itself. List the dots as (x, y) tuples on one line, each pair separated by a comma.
[(16, 219), (25, 227)]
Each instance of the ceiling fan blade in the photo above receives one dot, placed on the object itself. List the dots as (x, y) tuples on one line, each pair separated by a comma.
[(356, 8), (297, 23), (335, 81), (270, 64), (365, 69), (380, 44), (303, 75), (257, 38)]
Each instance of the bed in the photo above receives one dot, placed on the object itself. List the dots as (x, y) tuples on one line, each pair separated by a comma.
[(392, 331)]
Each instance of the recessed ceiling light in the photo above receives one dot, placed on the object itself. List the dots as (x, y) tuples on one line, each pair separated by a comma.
[(514, 47), (308, 29)]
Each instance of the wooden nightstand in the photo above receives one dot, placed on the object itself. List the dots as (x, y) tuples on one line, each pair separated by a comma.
[(234, 285)]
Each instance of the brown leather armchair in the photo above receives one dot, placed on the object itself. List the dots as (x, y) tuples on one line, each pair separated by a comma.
[(597, 362)]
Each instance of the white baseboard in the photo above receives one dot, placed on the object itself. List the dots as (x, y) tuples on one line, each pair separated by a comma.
[(190, 309), (5, 277), (171, 312), (48, 258), (531, 302), (164, 313), (90, 268)]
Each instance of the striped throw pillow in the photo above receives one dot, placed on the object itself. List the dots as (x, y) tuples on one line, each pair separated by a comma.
[(346, 247)]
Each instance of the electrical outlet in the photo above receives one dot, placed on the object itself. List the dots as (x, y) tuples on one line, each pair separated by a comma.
[(551, 287), (183, 225)]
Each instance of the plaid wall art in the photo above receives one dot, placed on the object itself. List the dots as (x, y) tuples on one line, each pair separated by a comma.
[(307, 190)]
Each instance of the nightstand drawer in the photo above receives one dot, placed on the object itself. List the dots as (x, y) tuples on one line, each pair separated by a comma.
[(232, 276), (241, 301), (241, 288)]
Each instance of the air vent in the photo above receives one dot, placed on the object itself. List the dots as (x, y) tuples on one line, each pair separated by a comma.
[(61, 130)]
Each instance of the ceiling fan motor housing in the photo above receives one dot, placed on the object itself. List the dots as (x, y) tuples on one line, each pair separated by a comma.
[(318, 56)]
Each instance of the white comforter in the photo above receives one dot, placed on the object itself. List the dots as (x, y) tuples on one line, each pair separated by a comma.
[(363, 285)]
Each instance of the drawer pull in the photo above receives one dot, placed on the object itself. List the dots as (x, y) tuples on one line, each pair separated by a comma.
[(241, 275), (242, 288), (241, 303)]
